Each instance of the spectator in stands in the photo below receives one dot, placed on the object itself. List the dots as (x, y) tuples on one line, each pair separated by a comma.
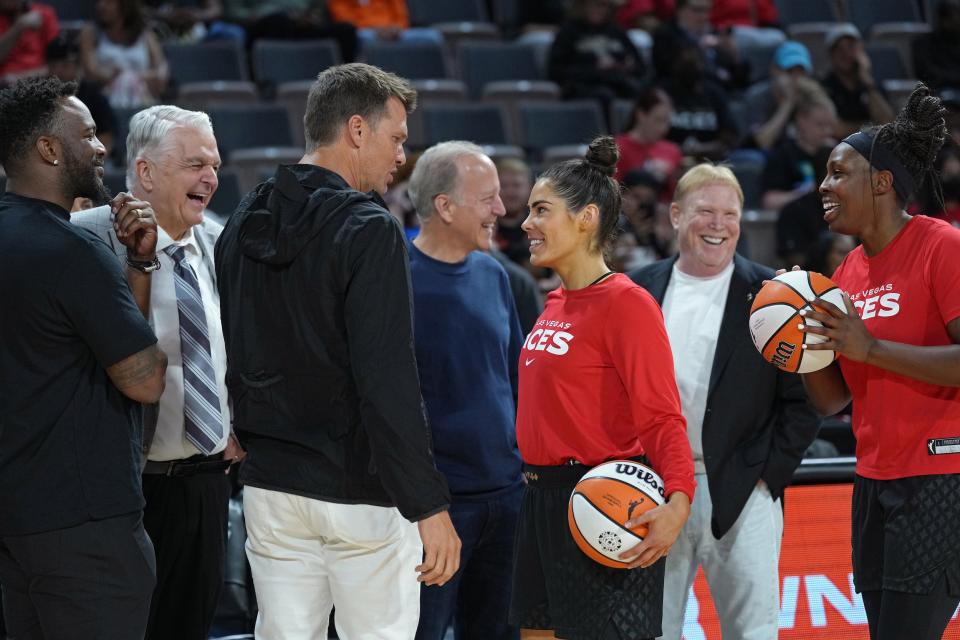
[(25, 30), (380, 20), (194, 21), (643, 145), (639, 243), (645, 14), (291, 20), (593, 57), (120, 52), (691, 24), (770, 103), (941, 198), (828, 252), (935, 55), (800, 224), (516, 180), (850, 83), (470, 400), (702, 122), (790, 171), (63, 61), (752, 22)]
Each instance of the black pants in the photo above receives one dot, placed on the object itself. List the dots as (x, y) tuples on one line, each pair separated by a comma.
[(892, 615), (186, 518), (91, 581)]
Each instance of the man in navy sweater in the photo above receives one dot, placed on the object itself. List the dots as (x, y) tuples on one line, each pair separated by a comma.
[(468, 339)]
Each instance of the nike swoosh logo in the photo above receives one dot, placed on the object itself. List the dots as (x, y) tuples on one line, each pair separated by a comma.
[(529, 361)]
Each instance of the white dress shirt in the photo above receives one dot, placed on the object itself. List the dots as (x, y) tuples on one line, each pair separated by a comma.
[(169, 441), (692, 312)]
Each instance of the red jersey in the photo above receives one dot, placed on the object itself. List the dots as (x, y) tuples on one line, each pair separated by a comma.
[(907, 293), (30, 50), (756, 13), (597, 384)]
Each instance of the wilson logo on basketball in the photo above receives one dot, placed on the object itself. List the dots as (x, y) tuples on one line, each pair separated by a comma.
[(642, 473), (781, 357)]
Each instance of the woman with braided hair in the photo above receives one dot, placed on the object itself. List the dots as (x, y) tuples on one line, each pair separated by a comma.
[(899, 346)]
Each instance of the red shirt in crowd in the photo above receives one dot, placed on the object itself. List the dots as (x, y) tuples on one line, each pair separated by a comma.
[(746, 13), (631, 10), (30, 51), (907, 293), (597, 384), (663, 159)]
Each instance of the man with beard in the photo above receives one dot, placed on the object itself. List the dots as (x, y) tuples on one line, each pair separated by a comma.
[(78, 358), (172, 161)]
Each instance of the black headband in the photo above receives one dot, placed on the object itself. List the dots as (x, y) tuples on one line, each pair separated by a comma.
[(882, 158)]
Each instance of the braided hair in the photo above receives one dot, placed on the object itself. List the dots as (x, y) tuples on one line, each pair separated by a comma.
[(916, 134)]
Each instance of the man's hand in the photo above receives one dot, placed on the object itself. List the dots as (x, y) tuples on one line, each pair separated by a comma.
[(441, 549), (234, 452), (135, 225), (664, 523)]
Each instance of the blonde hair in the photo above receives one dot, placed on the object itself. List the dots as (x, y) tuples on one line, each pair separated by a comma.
[(705, 174)]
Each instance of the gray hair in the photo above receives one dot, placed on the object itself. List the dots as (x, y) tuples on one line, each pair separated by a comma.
[(346, 90), (436, 173), (150, 131)]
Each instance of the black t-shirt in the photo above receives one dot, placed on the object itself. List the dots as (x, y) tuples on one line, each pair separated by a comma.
[(853, 105), (89, 94), (70, 442), (700, 113), (789, 167)]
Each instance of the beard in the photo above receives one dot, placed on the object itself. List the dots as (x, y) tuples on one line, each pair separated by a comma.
[(81, 179)]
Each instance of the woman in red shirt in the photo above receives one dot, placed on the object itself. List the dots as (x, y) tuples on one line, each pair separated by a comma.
[(899, 346), (643, 145), (596, 384)]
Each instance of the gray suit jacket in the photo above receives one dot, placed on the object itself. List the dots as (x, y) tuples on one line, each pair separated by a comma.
[(99, 220)]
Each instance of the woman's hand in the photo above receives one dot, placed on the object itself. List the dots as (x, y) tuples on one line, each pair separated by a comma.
[(845, 333), (665, 523)]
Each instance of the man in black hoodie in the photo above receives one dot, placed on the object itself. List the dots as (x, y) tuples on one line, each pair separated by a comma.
[(316, 307)]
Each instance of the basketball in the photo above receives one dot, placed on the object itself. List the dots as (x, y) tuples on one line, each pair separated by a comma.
[(605, 498), (774, 317)]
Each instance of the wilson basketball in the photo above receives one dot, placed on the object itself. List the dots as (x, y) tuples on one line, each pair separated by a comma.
[(605, 498), (775, 316)]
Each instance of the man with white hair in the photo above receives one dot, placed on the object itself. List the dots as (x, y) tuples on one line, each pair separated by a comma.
[(172, 162), (467, 337)]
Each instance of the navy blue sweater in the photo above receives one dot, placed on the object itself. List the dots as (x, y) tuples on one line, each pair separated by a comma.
[(468, 341)]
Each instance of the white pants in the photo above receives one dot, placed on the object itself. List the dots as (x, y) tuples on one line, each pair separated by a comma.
[(309, 555), (742, 568)]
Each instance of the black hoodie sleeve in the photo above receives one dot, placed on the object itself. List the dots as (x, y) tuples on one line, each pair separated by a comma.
[(379, 324)]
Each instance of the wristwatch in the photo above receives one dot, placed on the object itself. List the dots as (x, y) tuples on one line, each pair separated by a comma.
[(145, 266)]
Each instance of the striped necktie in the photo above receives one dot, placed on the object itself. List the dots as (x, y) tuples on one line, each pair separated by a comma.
[(201, 404)]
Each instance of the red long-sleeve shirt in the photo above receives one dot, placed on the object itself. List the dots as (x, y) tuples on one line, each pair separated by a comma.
[(597, 383)]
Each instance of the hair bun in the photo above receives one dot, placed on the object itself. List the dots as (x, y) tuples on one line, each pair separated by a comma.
[(603, 155), (918, 132)]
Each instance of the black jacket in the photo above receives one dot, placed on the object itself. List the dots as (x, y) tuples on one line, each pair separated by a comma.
[(316, 306), (757, 422)]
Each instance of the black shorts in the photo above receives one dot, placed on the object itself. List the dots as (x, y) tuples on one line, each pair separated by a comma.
[(906, 534), (556, 586)]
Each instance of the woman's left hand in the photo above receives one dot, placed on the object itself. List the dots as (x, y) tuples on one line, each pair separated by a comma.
[(845, 333), (665, 523)]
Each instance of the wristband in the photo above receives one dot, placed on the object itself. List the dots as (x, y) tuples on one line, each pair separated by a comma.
[(144, 266)]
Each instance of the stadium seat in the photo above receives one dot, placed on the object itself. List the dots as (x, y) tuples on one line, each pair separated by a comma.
[(429, 91), (480, 123), (72, 10), (887, 62), (412, 60), (748, 175), (621, 110), (540, 42), (220, 60), (866, 13), (510, 93), (430, 12), (498, 151), (812, 35), (228, 194), (119, 153), (507, 14), (759, 57), (898, 91), (203, 95), (901, 35), (278, 61), (483, 62), (249, 127), (795, 12), (552, 124), (292, 96), (559, 153), (253, 166)]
